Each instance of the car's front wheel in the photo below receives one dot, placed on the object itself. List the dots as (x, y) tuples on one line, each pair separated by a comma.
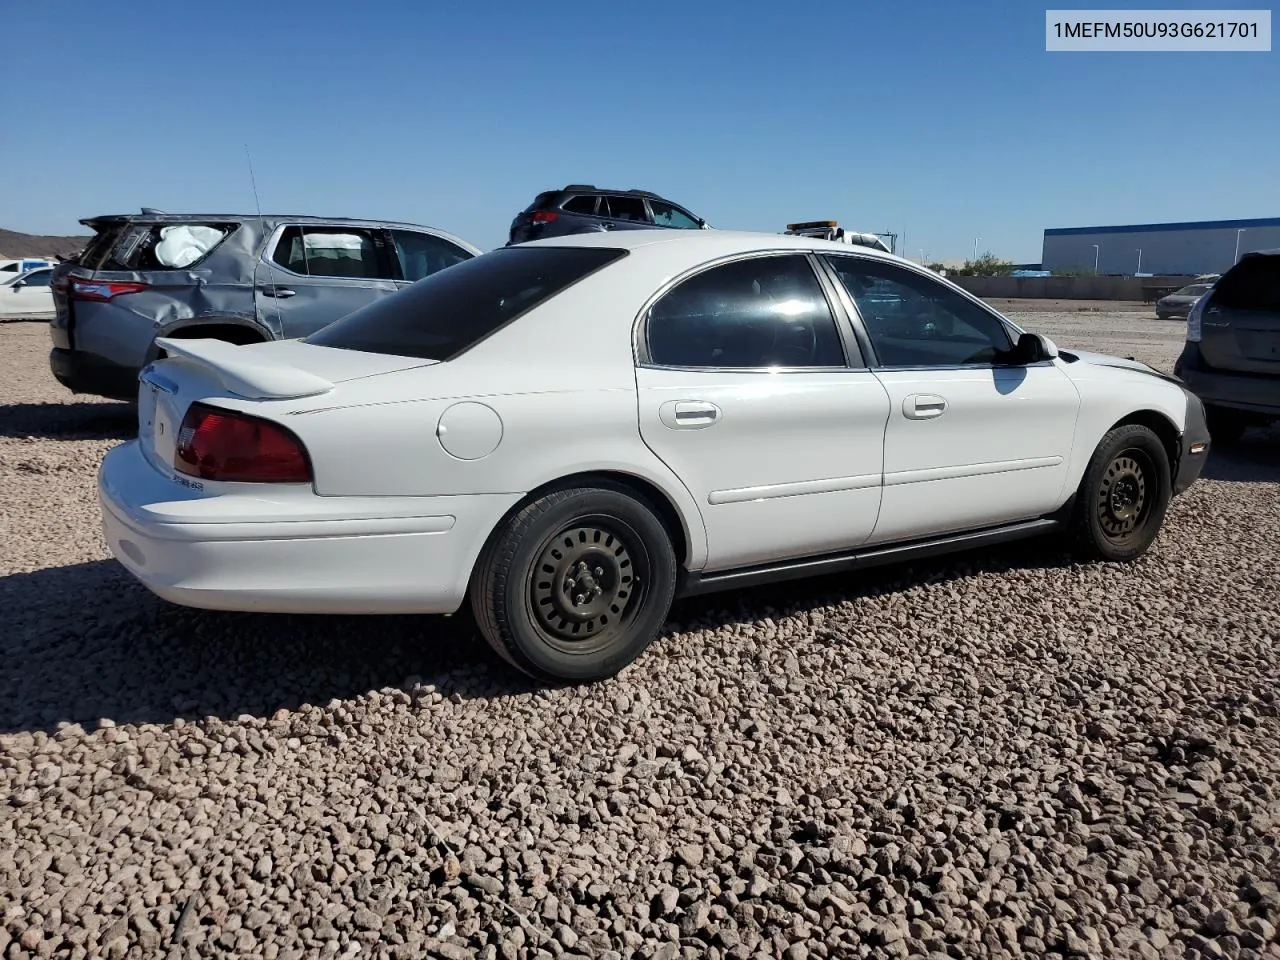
[(1123, 496), (576, 584)]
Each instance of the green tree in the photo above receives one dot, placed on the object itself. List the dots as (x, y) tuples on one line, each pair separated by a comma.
[(987, 265)]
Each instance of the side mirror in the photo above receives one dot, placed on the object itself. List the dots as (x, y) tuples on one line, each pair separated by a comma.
[(1034, 348), (17, 285)]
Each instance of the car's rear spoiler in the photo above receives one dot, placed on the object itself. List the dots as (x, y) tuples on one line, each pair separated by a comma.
[(244, 373)]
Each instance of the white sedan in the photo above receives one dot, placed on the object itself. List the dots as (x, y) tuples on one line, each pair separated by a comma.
[(28, 295), (570, 433)]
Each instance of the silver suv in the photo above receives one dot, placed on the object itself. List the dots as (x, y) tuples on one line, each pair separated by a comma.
[(1231, 359), (242, 279)]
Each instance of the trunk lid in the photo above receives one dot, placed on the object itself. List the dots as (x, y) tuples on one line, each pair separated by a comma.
[(279, 369), (1240, 326), (252, 378)]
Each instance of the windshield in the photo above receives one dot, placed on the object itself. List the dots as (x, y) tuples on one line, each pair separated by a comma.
[(1194, 290), (451, 311)]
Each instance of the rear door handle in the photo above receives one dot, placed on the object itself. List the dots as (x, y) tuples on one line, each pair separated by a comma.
[(280, 292), (688, 414), (923, 406)]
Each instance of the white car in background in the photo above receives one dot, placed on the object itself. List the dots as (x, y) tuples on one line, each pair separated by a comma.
[(28, 295), (568, 434)]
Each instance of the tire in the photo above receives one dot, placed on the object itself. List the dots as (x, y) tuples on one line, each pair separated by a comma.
[(1123, 496), (532, 589), (1225, 426)]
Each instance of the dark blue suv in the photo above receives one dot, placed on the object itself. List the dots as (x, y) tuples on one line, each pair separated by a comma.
[(583, 208)]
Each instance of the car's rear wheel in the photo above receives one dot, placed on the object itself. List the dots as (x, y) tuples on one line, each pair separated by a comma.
[(576, 584), (1123, 496), (1225, 426)]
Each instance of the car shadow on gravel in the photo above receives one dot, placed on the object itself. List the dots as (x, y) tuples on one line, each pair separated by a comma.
[(1254, 458), (86, 642), (69, 421), (787, 598), (89, 643)]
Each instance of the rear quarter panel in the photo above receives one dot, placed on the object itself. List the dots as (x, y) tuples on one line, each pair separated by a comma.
[(561, 380), (122, 329)]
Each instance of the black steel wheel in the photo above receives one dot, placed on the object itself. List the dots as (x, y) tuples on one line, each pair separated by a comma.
[(1123, 504), (1123, 495), (576, 584), (588, 582)]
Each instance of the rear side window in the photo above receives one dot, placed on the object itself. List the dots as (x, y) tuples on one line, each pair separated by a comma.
[(584, 205), (149, 247), (1253, 284), (624, 208), (449, 312), (97, 250), (756, 313), (422, 254), (349, 253)]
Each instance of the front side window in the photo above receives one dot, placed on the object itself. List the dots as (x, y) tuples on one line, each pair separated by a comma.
[(422, 254), (346, 252), (40, 278), (448, 312), (759, 312), (665, 215), (914, 321), (623, 208)]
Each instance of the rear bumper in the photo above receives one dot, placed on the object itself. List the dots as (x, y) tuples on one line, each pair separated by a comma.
[(1218, 388), (297, 553), (86, 373)]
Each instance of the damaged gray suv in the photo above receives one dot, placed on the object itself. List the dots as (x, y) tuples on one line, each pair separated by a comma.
[(242, 279)]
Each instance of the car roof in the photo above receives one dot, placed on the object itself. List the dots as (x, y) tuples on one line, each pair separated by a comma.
[(592, 188), (712, 243), (241, 217)]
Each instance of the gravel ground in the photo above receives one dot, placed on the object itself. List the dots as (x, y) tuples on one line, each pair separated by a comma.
[(994, 755)]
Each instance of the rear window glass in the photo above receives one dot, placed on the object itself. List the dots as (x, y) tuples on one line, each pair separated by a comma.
[(541, 200), (1253, 284), (449, 312)]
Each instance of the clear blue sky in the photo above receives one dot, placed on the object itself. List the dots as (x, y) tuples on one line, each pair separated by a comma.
[(946, 120)]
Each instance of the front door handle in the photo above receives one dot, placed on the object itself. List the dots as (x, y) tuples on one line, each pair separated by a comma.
[(279, 292), (688, 414), (923, 406)]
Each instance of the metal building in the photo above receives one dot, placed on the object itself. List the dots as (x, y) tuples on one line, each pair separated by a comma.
[(1209, 246)]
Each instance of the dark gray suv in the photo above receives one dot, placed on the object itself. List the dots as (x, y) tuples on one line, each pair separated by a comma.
[(583, 208), (240, 278), (1231, 359)]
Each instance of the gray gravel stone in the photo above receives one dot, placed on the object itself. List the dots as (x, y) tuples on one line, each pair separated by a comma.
[(994, 755)]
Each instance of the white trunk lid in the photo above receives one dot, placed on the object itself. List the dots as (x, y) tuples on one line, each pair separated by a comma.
[(203, 369)]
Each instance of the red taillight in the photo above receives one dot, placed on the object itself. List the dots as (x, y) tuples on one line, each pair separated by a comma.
[(101, 290), (543, 216), (216, 444)]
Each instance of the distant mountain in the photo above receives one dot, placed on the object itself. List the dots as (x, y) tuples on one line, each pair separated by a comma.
[(14, 245)]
